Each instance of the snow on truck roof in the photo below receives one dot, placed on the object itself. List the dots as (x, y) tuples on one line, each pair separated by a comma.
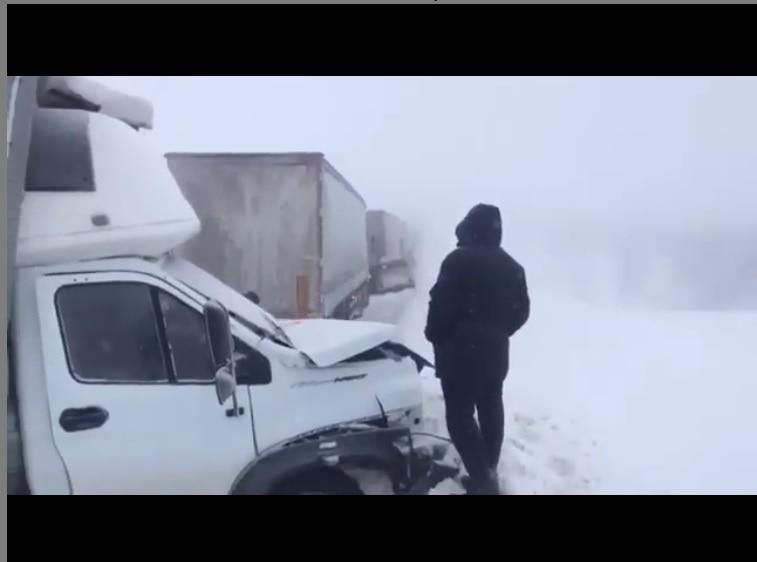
[(96, 189), (75, 92)]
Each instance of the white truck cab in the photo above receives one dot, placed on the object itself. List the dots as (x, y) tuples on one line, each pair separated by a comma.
[(115, 387)]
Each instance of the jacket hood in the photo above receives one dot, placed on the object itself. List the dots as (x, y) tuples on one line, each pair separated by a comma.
[(482, 226)]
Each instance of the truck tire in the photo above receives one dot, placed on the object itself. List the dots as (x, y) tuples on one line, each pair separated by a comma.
[(321, 482)]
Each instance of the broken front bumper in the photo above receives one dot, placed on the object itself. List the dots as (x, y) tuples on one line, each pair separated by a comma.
[(425, 466), (429, 473)]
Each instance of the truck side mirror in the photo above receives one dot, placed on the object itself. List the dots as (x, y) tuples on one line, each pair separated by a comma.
[(218, 331), (226, 385)]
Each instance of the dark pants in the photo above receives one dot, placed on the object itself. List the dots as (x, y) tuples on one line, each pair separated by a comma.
[(479, 444)]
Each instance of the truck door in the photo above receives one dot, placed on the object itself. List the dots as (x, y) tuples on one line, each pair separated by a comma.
[(131, 388)]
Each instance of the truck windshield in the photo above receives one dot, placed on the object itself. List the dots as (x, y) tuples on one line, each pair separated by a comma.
[(240, 308)]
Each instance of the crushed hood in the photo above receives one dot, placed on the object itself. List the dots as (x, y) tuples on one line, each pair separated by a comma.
[(324, 342), (327, 342)]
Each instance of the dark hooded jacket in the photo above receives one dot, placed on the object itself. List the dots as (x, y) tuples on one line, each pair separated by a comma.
[(479, 300)]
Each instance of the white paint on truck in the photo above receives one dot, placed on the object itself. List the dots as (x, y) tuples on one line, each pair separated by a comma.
[(164, 437), (144, 214), (158, 438)]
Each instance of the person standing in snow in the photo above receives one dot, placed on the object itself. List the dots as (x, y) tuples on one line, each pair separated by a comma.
[(479, 301)]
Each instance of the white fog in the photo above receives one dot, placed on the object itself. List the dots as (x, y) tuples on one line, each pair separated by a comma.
[(632, 205)]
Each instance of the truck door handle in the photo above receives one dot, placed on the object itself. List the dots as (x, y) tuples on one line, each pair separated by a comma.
[(79, 419)]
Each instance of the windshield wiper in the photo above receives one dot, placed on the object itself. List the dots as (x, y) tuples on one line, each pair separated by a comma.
[(278, 330), (278, 335)]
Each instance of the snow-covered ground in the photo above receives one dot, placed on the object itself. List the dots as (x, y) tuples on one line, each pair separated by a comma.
[(610, 400)]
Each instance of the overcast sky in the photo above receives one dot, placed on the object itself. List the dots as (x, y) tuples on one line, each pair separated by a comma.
[(644, 151)]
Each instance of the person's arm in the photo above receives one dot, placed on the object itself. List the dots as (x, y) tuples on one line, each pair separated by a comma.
[(444, 303), (520, 309)]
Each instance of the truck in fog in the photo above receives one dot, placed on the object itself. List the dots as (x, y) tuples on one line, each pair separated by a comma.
[(390, 253), (288, 228), (133, 371)]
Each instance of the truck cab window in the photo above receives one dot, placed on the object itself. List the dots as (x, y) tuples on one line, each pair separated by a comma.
[(187, 340), (190, 350), (252, 367), (111, 333)]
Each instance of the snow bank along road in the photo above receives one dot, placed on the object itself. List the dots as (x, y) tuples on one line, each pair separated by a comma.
[(608, 400)]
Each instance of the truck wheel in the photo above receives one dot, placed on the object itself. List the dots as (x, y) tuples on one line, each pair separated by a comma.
[(327, 482)]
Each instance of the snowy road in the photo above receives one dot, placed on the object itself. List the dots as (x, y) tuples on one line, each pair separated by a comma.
[(616, 400)]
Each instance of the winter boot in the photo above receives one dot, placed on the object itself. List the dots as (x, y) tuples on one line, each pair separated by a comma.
[(465, 482), (494, 474)]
